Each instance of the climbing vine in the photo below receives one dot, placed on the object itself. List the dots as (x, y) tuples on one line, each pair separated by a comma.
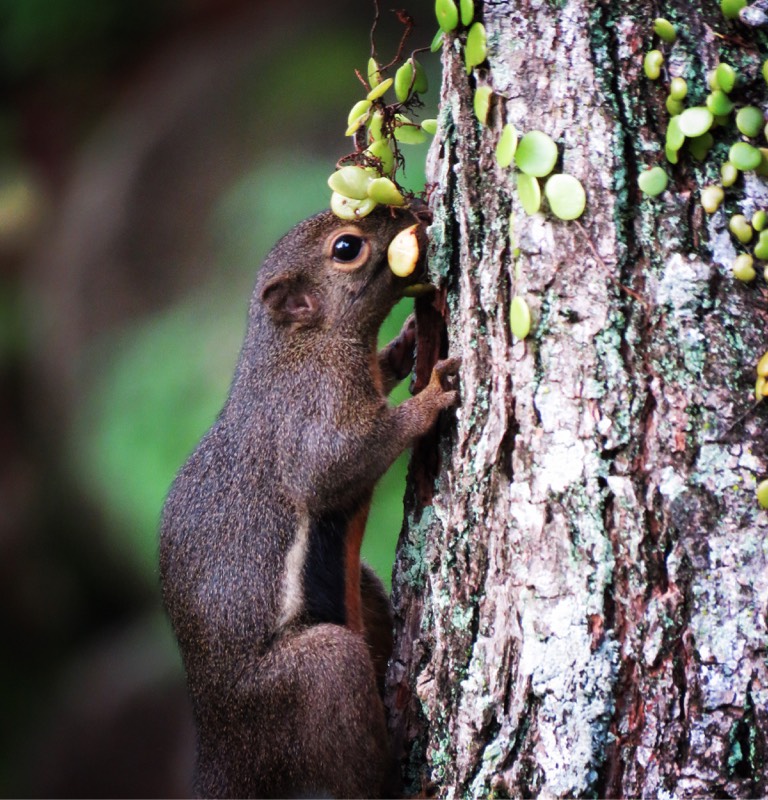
[(727, 120)]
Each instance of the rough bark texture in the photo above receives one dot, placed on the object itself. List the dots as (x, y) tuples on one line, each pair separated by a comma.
[(582, 609)]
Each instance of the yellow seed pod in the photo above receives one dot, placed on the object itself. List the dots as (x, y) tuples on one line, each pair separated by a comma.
[(762, 365), (403, 252), (761, 386)]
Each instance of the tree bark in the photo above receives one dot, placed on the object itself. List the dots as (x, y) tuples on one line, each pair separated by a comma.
[(582, 608)]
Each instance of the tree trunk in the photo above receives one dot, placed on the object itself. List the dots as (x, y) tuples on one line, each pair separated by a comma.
[(582, 608)]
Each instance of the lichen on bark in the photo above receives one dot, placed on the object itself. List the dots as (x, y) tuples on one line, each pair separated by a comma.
[(590, 611)]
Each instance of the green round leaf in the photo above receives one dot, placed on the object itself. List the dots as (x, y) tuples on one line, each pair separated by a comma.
[(743, 268), (762, 168), (505, 149), (749, 120), (467, 9), (403, 79), (350, 182), (761, 248), (476, 48), (384, 191), (374, 76), (665, 30), (759, 223), (653, 181), (678, 88), (725, 77), (740, 228), (695, 121), (375, 126), (379, 90), (731, 8), (536, 154), (762, 493), (430, 126), (652, 64), (711, 197), (359, 109), (529, 192), (482, 102), (519, 317), (744, 156), (447, 15), (719, 103), (407, 132), (674, 107), (565, 196), (437, 41), (699, 146), (728, 174), (383, 152), (348, 208), (675, 137)]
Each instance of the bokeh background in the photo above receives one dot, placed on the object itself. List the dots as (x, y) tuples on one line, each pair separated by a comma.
[(151, 152)]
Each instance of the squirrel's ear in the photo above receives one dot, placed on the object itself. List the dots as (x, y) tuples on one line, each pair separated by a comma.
[(290, 301)]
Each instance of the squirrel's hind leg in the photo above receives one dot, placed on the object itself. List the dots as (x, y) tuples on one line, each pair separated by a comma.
[(306, 722)]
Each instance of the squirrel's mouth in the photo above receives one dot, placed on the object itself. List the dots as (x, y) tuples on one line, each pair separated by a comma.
[(406, 255), (404, 252)]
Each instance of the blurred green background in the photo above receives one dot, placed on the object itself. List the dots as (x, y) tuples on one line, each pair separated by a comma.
[(150, 155)]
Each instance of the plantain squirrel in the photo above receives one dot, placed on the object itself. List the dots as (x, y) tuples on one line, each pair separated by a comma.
[(284, 635)]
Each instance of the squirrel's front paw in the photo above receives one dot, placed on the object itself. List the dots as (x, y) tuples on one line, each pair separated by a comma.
[(445, 375)]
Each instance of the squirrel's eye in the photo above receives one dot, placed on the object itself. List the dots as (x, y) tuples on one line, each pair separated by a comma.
[(346, 248)]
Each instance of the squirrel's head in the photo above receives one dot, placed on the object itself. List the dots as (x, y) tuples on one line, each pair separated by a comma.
[(330, 274)]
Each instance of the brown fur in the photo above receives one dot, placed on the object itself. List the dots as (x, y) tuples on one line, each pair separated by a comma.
[(287, 704)]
